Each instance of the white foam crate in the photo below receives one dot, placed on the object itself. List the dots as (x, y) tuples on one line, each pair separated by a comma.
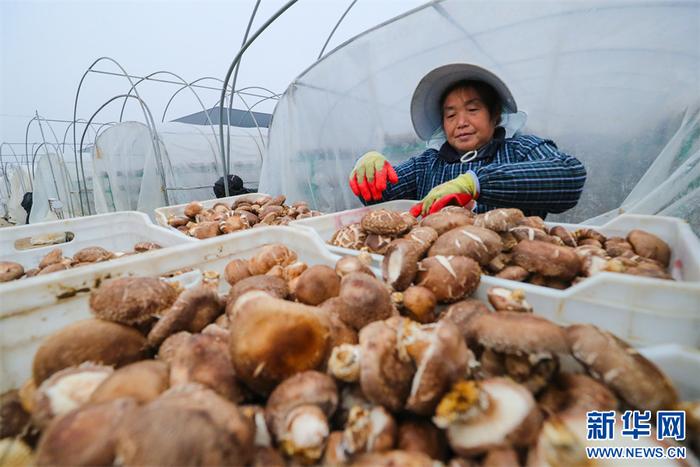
[(326, 225), (118, 231), (163, 213), (34, 310), (681, 364), (642, 310)]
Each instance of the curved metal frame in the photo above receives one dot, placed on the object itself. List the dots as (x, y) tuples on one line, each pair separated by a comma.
[(342, 17), (237, 58), (154, 141), (147, 113), (19, 162)]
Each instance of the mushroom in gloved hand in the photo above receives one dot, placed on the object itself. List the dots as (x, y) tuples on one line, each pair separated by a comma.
[(489, 414), (90, 340), (520, 345), (272, 339), (450, 278), (297, 413), (192, 311), (636, 380), (132, 300)]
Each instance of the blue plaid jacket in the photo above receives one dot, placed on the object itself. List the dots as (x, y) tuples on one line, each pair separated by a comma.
[(526, 172)]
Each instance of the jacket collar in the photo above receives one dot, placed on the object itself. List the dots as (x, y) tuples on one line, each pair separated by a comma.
[(448, 154)]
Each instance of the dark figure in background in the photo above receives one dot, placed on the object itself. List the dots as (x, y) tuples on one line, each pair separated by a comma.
[(235, 187), (27, 201)]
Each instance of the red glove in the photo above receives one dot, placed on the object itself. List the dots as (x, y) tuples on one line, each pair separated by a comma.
[(370, 175), (458, 199)]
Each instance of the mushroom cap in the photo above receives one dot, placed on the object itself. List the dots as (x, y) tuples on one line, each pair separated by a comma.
[(351, 236), (178, 221), (450, 278), (141, 381), (394, 458), (193, 208), (190, 427), (236, 270), (514, 273), (400, 263), (419, 303), (9, 271), (301, 389), (146, 246), (66, 390), (167, 349), (524, 232), (378, 243), (194, 309), (316, 285), (349, 264), (85, 436), (384, 222), (365, 299), (205, 229), (499, 220), (54, 268), (510, 418), (477, 243), (547, 259), (272, 339), (443, 221), (385, 377), (90, 340), (369, 429), (566, 237), (502, 299), (649, 246), (620, 367), (131, 300), (92, 254), (52, 257), (462, 313), (269, 256), (420, 435), (423, 236), (445, 360), (575, 392), (514, 332), (204, 359), (15, 419), (272, 285)]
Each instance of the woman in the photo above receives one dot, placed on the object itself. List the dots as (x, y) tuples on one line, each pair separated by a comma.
[(477, 162)]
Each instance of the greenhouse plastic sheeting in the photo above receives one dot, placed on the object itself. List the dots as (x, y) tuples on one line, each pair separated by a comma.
[(55, 177), (614, 83), (19, 184), (128, 173)]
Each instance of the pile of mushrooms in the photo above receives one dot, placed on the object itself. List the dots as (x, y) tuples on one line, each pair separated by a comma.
[(309, 364), (509, 245), (248, 211), (54, 261)]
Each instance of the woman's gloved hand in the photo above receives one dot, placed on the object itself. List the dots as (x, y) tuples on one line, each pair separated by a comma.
[(466, 183), (370, 174)]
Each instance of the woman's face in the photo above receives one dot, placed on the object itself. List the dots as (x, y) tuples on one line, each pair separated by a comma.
[(466, 120)]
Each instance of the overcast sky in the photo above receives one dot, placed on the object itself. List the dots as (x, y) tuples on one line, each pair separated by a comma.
[(46, 46)]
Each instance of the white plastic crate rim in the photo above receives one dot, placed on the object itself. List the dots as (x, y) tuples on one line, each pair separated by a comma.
[(39, 307), (163, 213), (326, 225), (639, 309), (118, 231)]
